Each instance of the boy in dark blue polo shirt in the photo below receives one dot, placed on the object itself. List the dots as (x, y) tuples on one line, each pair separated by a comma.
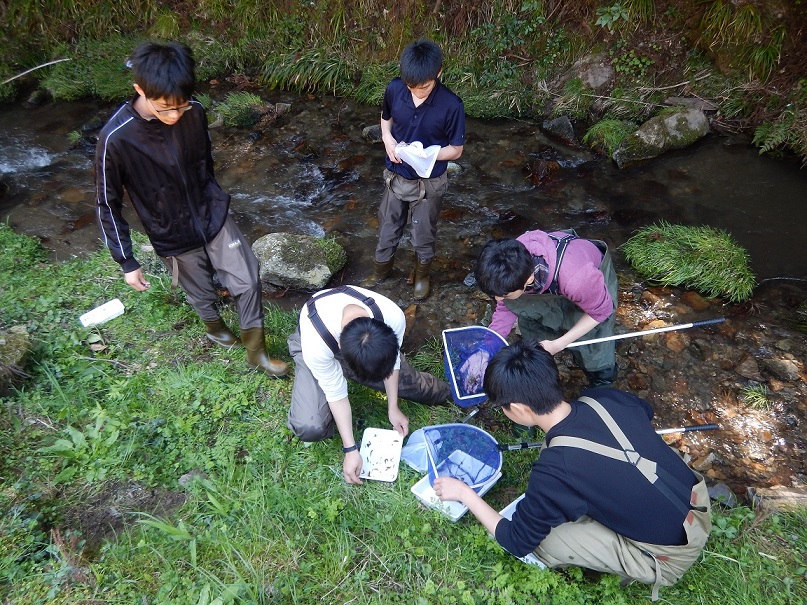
[(417, 108)]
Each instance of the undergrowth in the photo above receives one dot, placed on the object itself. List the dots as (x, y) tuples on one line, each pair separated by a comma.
[(144, 404)]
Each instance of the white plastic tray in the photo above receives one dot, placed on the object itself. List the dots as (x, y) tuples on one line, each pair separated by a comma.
[(380, 454), (507, 513), (98, 315), (451, 509)]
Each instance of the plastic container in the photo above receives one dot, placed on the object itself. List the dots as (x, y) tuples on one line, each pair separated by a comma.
[(380, 454), (424, 492), (109, 310), (507, 513)]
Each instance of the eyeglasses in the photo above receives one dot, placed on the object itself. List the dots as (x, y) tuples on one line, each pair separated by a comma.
[(180, 110)]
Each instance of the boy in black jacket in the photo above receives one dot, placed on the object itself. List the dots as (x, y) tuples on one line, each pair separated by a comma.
[(157, 148)]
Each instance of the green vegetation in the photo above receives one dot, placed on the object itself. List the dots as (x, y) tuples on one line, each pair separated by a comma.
[(140, 463), (240, 109), (506, 58), (606, 135), (702, 258), (757, 395)]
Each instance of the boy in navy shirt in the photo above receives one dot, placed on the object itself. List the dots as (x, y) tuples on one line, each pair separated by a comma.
[(417, 108)]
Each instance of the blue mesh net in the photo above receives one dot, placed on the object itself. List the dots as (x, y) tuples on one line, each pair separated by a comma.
[(466, 353), (461, 451)]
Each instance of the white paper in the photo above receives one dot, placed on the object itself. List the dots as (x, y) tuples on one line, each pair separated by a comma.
[(421, 159), (380, 454)]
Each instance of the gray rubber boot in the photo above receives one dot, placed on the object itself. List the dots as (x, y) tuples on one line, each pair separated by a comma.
[(422, 280), (218, 332), (381, 271), (254, 343)]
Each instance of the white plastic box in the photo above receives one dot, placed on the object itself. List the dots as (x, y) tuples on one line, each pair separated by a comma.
[(109, 310)]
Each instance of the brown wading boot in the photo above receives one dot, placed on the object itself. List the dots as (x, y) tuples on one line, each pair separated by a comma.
[(422, 279), (254, 343), (218, 332), (380, 272)]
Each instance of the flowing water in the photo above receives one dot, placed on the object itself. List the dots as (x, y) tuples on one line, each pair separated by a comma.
[(312, 172)]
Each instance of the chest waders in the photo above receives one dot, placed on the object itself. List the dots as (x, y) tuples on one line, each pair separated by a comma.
[(684, 498), (549, 315), (318, 324)]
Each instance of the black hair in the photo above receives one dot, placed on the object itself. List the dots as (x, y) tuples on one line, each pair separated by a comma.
[(524, 373), (369, 347), (164, 71), (421, 61), (504, 266)]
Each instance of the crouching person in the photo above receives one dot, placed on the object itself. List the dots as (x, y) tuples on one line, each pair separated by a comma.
[(350, 332), (606, 493)]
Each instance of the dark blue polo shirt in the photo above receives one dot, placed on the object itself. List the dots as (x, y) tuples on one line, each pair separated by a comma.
[(440, 120)]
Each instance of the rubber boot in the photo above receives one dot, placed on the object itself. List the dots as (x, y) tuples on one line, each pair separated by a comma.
[(602, 378), (254, 343), (380, 272), (422, 280), (218, 332)]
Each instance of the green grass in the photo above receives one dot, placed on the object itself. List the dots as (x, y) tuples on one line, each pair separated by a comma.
[(606, 135), (267, 519), (757, 396), (702, 258)]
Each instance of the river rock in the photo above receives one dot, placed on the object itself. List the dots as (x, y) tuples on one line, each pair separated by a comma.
[(298, 262), (721, 493), (749, 369), (560, 128), (372, 134), (660, 134), (778, 498), (595, 71), (784, 369), (15, 346), (694, 301)]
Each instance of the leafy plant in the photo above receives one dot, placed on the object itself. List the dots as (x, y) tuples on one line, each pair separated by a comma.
[(319, 70), (789, 128), (702, 258), (609, 16)]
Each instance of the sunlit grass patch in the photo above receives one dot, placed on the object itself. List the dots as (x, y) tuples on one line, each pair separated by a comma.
[(702, 258)]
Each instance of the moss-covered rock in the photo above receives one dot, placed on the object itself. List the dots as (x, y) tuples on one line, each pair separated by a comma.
[(15, 346), (662, 133), (298, 262)]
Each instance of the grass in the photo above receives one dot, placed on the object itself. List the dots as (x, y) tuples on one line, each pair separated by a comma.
[(606, 135), (267, 519), (757, 396), (240, 109), (702, 258)]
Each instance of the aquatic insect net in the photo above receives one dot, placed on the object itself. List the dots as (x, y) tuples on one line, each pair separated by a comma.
[(466, 353)]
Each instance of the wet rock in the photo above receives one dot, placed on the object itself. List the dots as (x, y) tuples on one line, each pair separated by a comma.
[(705, 462), (15, 347), (37, 98), (298, 262), (694, 301), (778, 498), (784, 369), (721, 493), (453, 169), (661, 134), (560, 128), (372, 134), (749, 369), (676, 342), (649, 299)]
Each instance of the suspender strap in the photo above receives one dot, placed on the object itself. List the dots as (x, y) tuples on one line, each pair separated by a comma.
[(675, 491), (560, 248), (319, 325)]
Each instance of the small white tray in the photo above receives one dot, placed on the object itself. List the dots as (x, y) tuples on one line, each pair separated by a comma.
[(451, 509), (507, 513), (98, 315), (380, 454)]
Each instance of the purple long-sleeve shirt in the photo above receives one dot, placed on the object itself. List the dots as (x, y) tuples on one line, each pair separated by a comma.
[(580, 279)]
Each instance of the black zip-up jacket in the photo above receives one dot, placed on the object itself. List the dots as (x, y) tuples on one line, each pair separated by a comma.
[(168, 173)]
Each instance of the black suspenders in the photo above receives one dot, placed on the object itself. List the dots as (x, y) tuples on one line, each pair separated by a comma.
[(316, 320), (560, 247)]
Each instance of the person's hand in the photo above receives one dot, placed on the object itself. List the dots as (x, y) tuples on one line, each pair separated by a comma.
[(351, 467), (399, 422), (389, 145), (552, 346), (473, 371), (449, 488), (136, 280)]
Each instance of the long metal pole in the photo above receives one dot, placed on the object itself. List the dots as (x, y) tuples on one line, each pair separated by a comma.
[(694, 324), (525, 445)]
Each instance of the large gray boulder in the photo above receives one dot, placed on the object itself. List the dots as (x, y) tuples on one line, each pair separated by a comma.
[(660, 134), (298, 262)]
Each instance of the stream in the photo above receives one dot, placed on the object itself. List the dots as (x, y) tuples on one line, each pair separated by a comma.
[(312, 172)]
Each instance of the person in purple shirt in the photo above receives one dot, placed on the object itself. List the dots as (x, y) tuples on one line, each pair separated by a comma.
[(607, 493), (560, 288), (417, 108)]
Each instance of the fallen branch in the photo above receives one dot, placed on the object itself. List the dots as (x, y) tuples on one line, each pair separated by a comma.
[(27, 71)]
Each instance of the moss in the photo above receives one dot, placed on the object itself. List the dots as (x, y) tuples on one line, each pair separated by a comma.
[(606, 135), (307, 253)]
